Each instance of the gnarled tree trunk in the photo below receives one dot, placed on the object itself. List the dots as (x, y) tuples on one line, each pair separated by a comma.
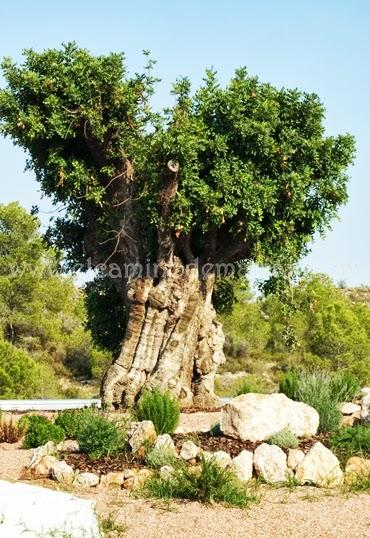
[(173, 340)]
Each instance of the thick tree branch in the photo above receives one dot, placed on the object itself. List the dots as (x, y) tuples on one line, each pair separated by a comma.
[(165, 237)]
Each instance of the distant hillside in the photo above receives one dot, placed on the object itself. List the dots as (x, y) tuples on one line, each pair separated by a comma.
[(358, 295)]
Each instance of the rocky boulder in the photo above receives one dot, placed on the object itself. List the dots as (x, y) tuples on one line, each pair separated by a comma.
[(357, 468), (141, 433), (165, 441), (189, 451), (270, 463), (365, 403), (33, 511), (42, 468), (320, 467), (256, 417), (349, 408), (69, 446), (295, 456), (112, 479), (62, 472), (86, 480), (222, 458), (242, 465), (48, 449)]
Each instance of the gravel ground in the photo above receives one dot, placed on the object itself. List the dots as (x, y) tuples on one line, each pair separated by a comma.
[(13, 459), (197, 422), (303, 512)]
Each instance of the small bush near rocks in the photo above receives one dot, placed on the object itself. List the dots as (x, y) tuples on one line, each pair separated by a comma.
[(288, 384), (10, 431), (158, 457), (358, 483), (284, 439), (210, 483), (344, 386), (72, 420), (351, 441), (100, 437), (40, 430), (27, 420), (161, 408), (315, 389)]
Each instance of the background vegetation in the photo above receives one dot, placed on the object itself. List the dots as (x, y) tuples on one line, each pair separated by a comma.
[(53, 334)]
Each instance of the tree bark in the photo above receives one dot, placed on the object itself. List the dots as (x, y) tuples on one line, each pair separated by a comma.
[(173, 340)]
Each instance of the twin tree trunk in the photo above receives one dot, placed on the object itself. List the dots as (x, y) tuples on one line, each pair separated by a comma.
[(173, 341)]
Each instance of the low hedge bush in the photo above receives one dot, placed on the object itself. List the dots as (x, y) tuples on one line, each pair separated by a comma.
[(40, 430), (100, 437), (161, 408)]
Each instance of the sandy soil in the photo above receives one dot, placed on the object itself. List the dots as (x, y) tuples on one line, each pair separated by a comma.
[(197, 422), (303, 512)]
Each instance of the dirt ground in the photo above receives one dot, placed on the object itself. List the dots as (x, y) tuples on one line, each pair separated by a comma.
[(303, 512)]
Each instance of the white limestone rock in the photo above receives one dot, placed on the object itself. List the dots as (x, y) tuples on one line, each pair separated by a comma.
[(42, 468), (43, 512), (86, 480), (349, 408), (242, 464), (62, 472), (165, 441), (222, 458), (256, 417), (69, 446), (166, 471), (189, 451), (48, 449), (320, 467), (270, 463), (141, 433), (295, 456)]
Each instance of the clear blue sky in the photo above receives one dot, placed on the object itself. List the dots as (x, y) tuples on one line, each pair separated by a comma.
[(321, 46)]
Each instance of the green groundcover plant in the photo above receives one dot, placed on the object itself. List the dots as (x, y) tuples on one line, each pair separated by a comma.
[(40, 430), (99, 437), (161, 408), (322, 391), (209, 484)]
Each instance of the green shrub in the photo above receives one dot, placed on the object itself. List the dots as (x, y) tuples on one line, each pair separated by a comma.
[(40, 430), (26, 420), (288, 384), (344, 386), (72, 420), (161, 408), (315, 389), (359, 482), (284, 439), (210, 484), (351, 441), (100, 437), (157, 457)]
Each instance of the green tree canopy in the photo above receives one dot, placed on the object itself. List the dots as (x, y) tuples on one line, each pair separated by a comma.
[(40, 309), (237, 172), (22, 377)]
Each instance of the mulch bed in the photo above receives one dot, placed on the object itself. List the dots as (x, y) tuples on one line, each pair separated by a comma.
[(205, 440), (102, 466), (213, 443)]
